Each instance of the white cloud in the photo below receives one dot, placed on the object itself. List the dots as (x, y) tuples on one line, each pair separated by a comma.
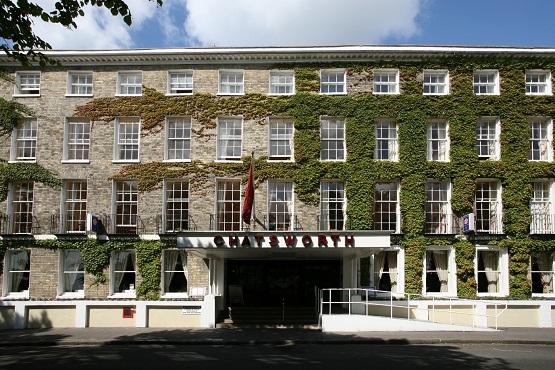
[(299, 22), (98, 29)]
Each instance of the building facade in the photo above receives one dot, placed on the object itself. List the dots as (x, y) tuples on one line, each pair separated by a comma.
[(413, 170)]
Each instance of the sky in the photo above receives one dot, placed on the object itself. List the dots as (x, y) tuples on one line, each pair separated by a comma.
[(244, 23)]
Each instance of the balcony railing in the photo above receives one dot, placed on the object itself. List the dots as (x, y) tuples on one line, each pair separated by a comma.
[(68, 224), (123, 224), (541, 223), (491, 223), (442, 224), (174, 224), (328, 222), (19, 224)]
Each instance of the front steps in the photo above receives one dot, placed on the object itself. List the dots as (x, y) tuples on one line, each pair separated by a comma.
[(268, 317)]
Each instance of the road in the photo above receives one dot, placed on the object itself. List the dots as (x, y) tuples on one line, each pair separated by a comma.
[(267, 357)]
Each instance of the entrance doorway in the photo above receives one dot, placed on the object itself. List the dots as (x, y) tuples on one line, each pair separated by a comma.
[(270, 283)]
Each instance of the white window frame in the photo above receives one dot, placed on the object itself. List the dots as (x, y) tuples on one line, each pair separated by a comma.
[(329, 205), (281, 205), (435, 82), (489, 86), (542, 211), (229, 82), (168, 271), (377, 265), (487, 137), (438, 140), (538, 82), (25, 89), (227, 211), (386, 205), (180, 82), (450, 288), (74, 206), (541, 139), (77, 140), (76, 267), (227, 134), (490, 205), (124, 86), (176, 209), (437, 208), (24, 137), (80, 83), (282, 82), (10, 270), (125, 204), (502, 270), (21, 206), (333, 82), (332, 131), (386, 82), (114, 269), (546, 272), (281, 132), (391, 141), (178, 144), (127, 143)]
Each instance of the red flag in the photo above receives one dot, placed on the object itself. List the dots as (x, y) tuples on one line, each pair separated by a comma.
[(249, 198)]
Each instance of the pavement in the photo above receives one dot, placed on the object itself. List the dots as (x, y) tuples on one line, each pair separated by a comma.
[(261, 336)]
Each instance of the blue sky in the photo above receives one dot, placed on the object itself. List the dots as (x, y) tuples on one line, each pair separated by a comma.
[(228, 23)]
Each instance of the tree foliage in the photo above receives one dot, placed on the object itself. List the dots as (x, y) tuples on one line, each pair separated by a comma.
[(17, 18)]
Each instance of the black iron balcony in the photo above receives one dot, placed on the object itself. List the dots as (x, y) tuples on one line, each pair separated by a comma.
[(437, 223), (19, 224), (171, 224), (327, 222), (123, 224), (70, 223)]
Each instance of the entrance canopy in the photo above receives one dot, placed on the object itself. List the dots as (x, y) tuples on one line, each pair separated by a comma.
[(285, 244)]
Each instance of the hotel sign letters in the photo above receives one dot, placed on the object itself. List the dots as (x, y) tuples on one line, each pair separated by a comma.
[(284, 240)]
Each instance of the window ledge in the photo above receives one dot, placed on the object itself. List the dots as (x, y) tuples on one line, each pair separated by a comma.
[(126, 295), (182, 94), (274, 94), (229, 94), (79, 95), (117, 161), (128, 94), (71, 296), (281, 160), (24, 161), (68, 161), (26, 95), (229, 161), (386, 93), (342, 93), (16, 296), (174, 295), (177, 161)]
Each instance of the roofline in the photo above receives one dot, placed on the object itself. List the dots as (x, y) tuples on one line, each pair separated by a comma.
[(283, 54)]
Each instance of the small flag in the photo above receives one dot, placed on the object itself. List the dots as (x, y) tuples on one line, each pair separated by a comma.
[(249, 198)]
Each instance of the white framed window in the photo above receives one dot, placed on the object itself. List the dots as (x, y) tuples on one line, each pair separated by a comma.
[(180, 82), (77, 139), (282, 82), (492, 271), (229, 138), (280, 205), (127, 139), (541, 137), (486, 82), (439, 272), (21, 201), (125, 206), (79, 83), (387, 215), (231, 82), (130, 83), (17, 273), (386, 81), (542, 270), (387, 271), (24, 140), (487, 138), (122, 274), (280, 141), (538, 82), (228, 205), (438, 208), (71, 282), (541, 207), (333, 81), (174, 273), (438, 140), (74, 214), (386, 141), (332, 139), (27, 84), (178, 139), (176, 206), (488, 214), (436, 82), (332, 205)]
